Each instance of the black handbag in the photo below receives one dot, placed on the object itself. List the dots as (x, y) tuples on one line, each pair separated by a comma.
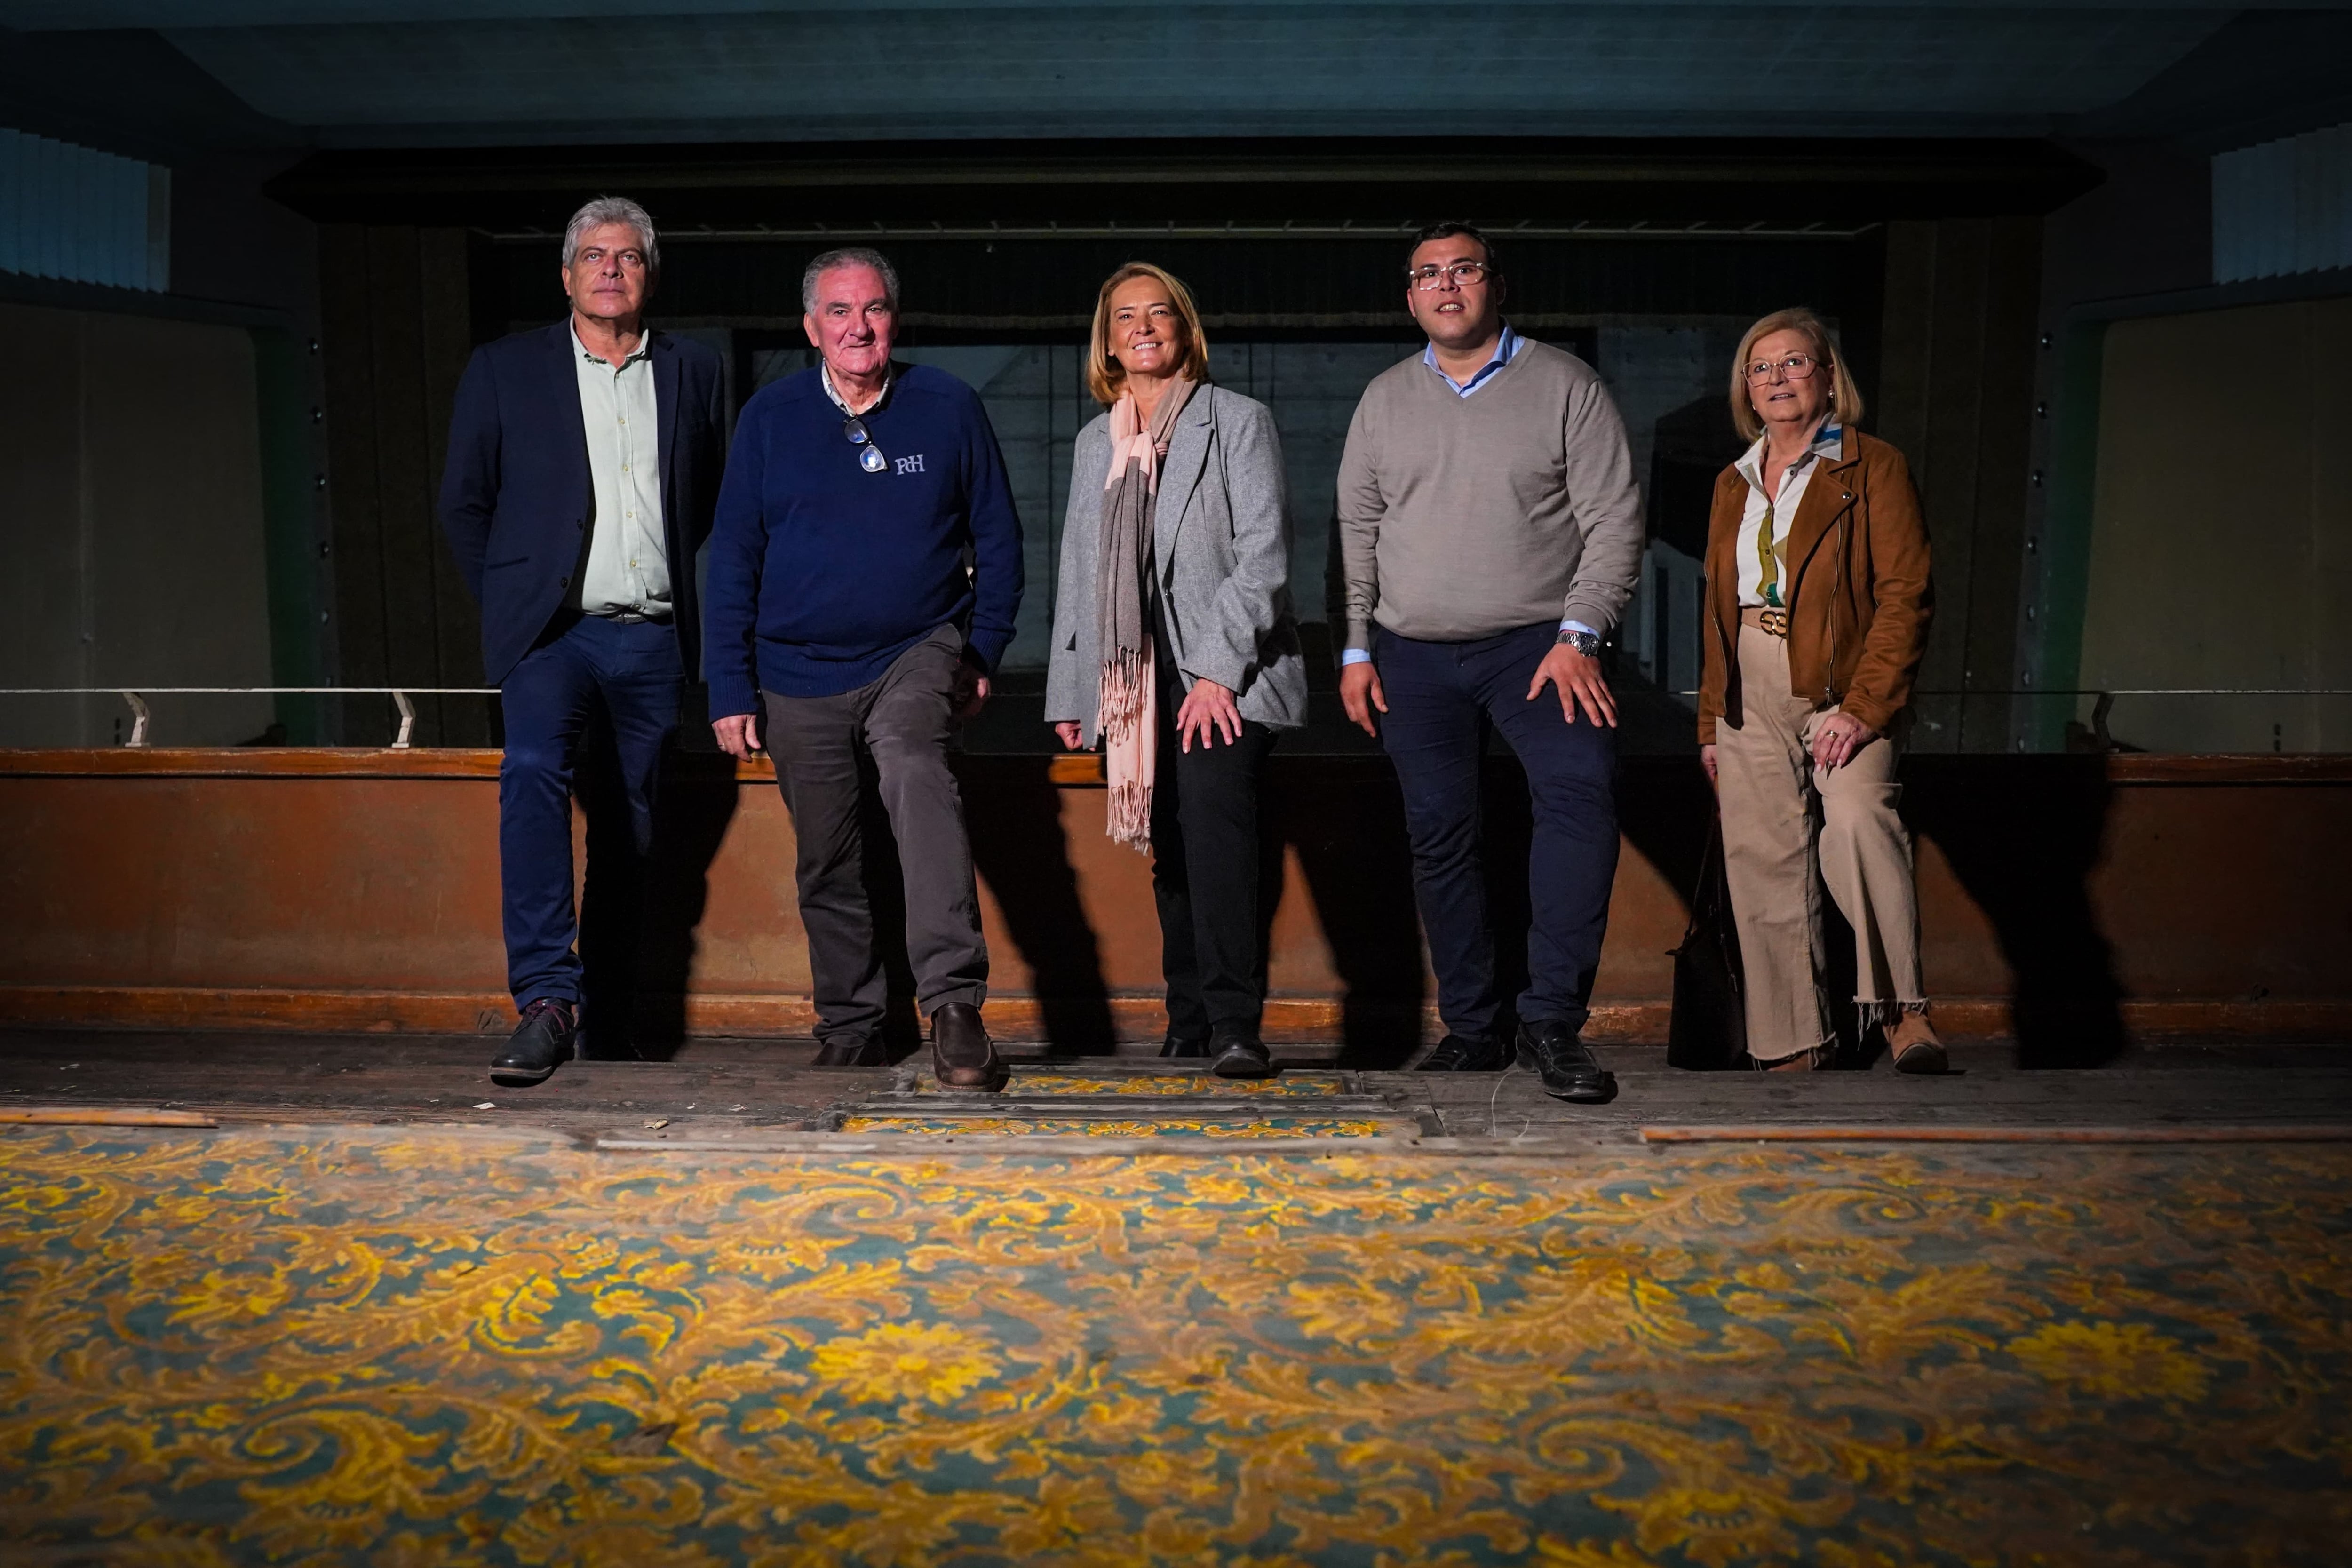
[(1708, 1031)]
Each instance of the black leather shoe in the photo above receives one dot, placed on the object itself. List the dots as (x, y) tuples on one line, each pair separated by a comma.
[(961, 1054), (851, 1051), (1553, 1053), (1239, 1054), (548, 1036), (1461, 1053), (1177, 1045)]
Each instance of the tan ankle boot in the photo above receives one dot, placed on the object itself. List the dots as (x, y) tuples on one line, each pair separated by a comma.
[(1912, 1041)]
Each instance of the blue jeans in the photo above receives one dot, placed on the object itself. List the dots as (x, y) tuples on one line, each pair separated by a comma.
[(1441, 696), (633, 673)]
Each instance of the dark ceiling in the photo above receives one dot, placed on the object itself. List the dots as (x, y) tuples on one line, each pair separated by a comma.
[(556, 73)]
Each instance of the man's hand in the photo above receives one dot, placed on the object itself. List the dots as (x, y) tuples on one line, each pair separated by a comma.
[(970, 692), (1706, 761), (1838, 738), (1360, 693), (1210, 709), (1072, 734), (739, 734), (1578, 677)]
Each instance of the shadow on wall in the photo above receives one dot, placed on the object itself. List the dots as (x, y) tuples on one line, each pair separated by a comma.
[(2024, 838), (1024, 858), (637, 922)]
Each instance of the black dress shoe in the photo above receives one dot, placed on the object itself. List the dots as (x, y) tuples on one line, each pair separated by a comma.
[(851, 1051), (961, 1054), (548, 1036), (1552, 1051), (1239, 1054), (1177, 1045), (1462, 1053)]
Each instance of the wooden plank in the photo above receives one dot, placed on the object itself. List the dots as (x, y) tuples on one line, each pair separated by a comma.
[(102, 1116), (2006, 355), (1956, 476), (404, 471), (447, 339), (353, 488), (2334, 1133)]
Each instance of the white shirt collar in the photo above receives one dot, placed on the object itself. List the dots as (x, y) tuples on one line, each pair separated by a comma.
[(644, 350)]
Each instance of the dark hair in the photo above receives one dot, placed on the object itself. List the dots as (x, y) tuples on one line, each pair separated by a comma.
[(1451, 227)]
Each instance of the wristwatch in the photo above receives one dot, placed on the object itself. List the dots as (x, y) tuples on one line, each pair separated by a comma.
[(1586, 643)]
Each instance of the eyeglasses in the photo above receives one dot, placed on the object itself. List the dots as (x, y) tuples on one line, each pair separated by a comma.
[(1462, 274), (869, 455), (1796, 367)]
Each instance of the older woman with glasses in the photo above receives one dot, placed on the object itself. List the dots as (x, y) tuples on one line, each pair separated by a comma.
[(1174, 644), (1818, 600)]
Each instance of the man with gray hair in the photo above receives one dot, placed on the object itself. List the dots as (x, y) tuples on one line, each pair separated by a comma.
[(863, 576), (585, 462)]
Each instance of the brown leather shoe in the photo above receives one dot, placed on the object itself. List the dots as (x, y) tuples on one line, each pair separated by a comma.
[(1814, 1060), (961, 1054), (1912, 1041)]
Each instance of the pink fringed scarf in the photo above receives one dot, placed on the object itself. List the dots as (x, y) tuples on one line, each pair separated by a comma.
[(1129, 718)]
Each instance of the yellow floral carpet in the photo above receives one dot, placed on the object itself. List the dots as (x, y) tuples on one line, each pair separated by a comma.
[(418, 1349)]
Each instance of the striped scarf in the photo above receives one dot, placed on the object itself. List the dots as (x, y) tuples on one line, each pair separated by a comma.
[(1129, 720)]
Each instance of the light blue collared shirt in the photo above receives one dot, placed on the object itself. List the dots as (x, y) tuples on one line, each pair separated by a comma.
[(1507, 348)]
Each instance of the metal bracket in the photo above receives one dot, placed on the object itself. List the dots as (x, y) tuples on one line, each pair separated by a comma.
[(138, 717), (407, 720)]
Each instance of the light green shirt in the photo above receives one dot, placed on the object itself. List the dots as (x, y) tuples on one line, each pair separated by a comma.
[(628, 566)]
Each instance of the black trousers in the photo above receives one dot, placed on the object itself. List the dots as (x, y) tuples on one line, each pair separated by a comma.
[(1204, 874)]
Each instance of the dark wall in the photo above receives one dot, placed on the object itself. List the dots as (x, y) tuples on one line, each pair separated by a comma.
[(397, 326), (1956, 394)]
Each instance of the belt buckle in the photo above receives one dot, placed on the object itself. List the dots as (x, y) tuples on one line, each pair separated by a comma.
[(1775, 622)]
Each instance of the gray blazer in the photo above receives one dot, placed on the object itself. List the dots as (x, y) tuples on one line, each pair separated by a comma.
[(1221, 543)]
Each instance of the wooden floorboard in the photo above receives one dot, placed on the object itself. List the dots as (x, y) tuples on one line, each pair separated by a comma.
[(727, 1088)]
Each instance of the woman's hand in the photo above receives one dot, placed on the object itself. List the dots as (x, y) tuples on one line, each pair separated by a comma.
[(1706, 761), (1838, 738), (1071, 735), (1209, 708)]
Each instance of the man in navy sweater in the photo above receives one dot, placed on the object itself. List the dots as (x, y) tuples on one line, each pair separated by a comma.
[(584, 463), (865, 570)]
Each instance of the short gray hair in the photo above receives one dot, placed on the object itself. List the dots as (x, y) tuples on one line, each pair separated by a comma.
[(611, 210), (848, 256)]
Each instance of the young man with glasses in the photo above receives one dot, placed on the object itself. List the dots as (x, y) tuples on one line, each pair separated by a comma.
[(863, 576), (1491, 532)]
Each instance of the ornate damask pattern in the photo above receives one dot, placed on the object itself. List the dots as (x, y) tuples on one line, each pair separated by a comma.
[(423, 1348)]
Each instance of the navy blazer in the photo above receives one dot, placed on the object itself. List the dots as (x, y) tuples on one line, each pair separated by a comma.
[(515, 497)]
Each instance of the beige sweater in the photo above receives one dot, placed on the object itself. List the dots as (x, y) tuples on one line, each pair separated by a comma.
[(1466, 517)]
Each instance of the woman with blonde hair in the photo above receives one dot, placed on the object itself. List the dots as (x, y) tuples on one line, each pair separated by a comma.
[(1174, 644), (1818, 600)]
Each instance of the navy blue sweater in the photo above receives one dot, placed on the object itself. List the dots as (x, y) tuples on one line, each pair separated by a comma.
[(822, 573)]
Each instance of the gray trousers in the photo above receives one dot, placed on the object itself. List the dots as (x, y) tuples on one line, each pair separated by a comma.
[(902, 720)]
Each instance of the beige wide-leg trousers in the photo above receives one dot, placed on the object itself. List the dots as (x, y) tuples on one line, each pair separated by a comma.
[(1788, 828)]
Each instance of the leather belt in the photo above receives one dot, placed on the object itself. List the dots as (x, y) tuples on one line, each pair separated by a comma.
[(1772, 622)]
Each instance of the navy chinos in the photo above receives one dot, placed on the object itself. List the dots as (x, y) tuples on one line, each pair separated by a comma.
[(630, 670), (1441, 696)]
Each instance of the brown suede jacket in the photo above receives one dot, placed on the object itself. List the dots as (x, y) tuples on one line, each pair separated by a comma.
[(1859, 595)]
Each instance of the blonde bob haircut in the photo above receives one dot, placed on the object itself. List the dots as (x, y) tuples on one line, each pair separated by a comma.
[(1106, 377), (1845, 397)]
